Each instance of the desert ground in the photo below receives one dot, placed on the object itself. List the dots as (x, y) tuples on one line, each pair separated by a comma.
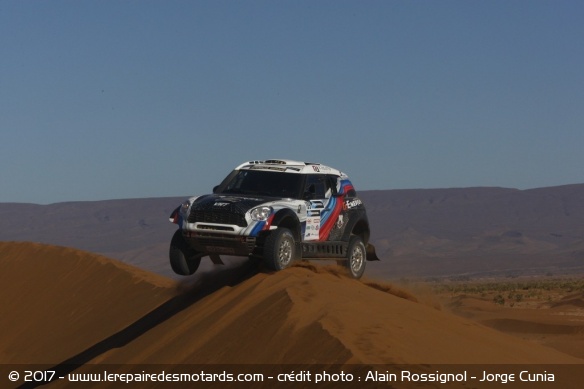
[(65, 309), (546, 310)]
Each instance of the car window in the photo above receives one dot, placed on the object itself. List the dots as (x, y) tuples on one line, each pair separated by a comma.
[(265, 183), (319, 186)]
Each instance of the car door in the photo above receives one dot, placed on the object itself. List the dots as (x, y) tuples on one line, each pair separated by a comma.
[(324, 207)]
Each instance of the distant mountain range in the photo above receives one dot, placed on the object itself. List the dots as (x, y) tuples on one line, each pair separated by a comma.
[(479, 231), (418, 233)]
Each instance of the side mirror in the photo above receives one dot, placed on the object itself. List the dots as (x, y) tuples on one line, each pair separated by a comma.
[(215, 188)]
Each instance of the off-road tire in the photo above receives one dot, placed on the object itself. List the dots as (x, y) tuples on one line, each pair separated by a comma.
[(184, 260), (356, 257), (279, 249)]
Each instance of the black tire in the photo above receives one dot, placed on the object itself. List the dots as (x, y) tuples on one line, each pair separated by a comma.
[(356, 257), (279, 249), (184, 260)]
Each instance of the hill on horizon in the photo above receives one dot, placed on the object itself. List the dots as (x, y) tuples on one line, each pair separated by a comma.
[(465, 232), (479, 231)]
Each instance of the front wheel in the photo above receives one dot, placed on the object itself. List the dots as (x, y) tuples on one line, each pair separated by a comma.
[(356, 257), (184, 260), (279, 249)]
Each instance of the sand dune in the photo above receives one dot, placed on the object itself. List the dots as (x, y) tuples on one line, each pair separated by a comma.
[(61, 305), (279, 318), (57, 301)]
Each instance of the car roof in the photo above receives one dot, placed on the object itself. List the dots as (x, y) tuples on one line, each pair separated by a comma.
[(290, 166)]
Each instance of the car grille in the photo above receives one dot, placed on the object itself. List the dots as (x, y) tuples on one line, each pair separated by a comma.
[(223, 210), (219, 217)]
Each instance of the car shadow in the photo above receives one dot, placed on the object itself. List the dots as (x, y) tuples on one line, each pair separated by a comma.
[(189, 292)]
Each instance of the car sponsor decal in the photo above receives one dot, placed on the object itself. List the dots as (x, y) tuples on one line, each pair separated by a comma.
[(312, 228), (349, 204)]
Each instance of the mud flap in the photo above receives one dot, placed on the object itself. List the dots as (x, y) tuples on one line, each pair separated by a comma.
[(216, 259), (371, 255)]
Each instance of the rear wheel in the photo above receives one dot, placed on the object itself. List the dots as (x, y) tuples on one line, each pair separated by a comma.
[(279, 249), (356, 257), (184, 260)]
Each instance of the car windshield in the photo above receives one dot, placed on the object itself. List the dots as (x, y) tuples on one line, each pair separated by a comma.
[(263, 183)]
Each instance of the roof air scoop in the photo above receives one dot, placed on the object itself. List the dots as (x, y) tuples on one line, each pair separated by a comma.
[(275, 162)]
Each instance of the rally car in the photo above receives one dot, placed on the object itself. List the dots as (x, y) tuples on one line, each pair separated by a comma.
[(278, 211)]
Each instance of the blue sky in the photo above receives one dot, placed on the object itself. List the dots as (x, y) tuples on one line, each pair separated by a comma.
[(125, 99)]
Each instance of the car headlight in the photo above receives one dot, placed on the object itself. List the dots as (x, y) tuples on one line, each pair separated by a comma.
[(260, 214), (184, 207)]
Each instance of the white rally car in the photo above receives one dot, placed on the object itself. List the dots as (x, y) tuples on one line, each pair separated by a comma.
[(279, 211)]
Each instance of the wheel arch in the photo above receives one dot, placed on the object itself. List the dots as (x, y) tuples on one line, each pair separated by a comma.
[(287, 218), (358, 227)]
